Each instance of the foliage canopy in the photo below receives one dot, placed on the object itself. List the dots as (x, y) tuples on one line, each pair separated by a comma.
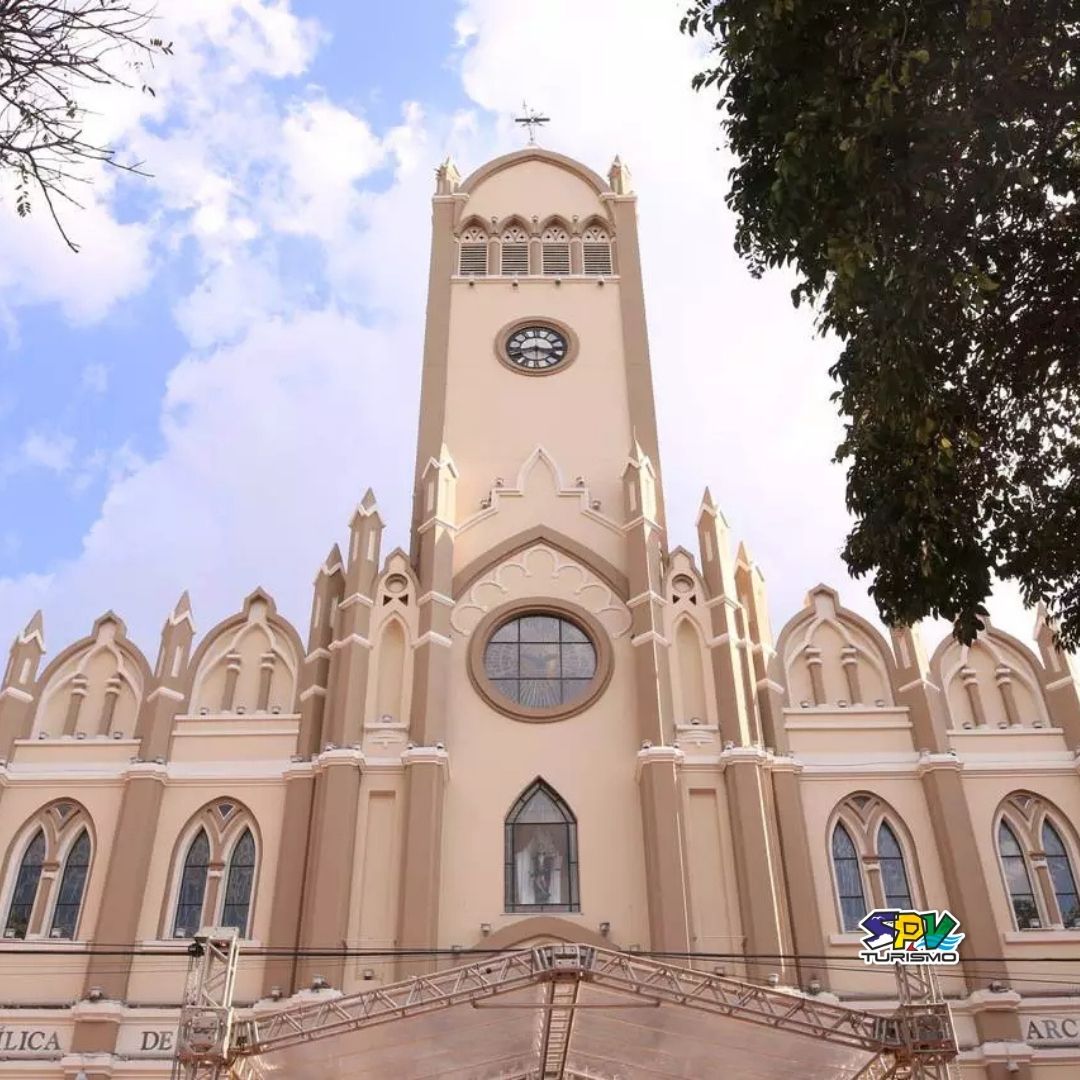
[(917, 162)]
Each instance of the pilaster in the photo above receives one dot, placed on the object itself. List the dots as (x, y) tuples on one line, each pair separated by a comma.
[(965, 881), (623, 205), (758, 869), (122, 897), (665, 848), (331, 847), (797, 866), (737, 725), (426, 772), (425, 765)]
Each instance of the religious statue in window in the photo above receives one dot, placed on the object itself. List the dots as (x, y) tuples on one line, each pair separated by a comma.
[(541, 853)]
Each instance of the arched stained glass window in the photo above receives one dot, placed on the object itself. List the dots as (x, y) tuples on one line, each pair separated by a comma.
[(1017, 880), (26, 888), (894, 879), (541, 853), (1061, 876), (69, 900), (237, 905), (849, 884), (189, 901)]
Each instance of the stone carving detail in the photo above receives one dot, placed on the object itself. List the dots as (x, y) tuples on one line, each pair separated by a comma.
[(541, 571)]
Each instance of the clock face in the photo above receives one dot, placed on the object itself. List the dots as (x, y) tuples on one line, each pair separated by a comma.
[(536, 348)]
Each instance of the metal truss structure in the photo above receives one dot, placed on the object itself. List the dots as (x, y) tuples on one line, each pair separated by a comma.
[(916, 1042), (204, 1040)]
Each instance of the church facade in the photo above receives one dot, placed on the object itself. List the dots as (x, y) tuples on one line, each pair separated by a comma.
[(541, 723)]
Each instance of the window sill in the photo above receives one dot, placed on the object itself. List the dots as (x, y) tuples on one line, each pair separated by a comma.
[(534, 277), (543, 909), (181, 944), (36, 941), (1047, 936), (854, 939)]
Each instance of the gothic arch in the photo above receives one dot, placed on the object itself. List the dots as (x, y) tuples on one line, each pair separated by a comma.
[(514, 221), (889, 877), (992, 683), (95, 686), (829, 656), (474, 221), (1048, 854), (692, 696), (541, 864), (556, 221), (223, 822), (541, 534), (250, 662), (52, 904)]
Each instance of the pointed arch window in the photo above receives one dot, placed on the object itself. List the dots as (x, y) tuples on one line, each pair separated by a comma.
[(39, 901), (214, 876), (473, 255), (1062, 878), (26, 887), (72, 885), (849, 883), (514, 251), (894, 879), (541, 858), (189, 901), (555, 251), (238, 886), (596, 251), (1017, 879)]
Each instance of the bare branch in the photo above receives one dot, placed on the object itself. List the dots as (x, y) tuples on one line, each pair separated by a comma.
[(52, 52)]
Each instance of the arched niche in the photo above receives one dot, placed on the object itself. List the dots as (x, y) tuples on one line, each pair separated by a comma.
[(830, 657), (95, 687), (691, 692), (993, 683), (247, 664)]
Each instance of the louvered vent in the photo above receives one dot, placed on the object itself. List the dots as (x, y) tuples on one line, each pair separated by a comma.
[(515, 258), (557, 259), (597, 258), (474, 259)]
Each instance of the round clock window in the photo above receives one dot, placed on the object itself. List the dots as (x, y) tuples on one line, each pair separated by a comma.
[(536, 348)]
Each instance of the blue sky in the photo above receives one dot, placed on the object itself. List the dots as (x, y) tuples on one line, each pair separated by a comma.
[(199, 398)]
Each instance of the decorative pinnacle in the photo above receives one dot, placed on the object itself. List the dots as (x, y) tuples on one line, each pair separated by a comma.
[(34, 628), (183, 605), (333, 561)]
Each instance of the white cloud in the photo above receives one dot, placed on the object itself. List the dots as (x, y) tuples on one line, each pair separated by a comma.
[(50, 452), (268, 445)]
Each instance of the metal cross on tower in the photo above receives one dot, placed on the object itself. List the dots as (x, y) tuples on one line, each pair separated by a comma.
[(531, 120)]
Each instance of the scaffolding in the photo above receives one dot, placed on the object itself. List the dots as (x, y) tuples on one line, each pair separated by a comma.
[(558, 984)]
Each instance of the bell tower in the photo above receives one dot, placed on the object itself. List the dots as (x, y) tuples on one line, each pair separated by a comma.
[(535, 329), (539, 547)]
